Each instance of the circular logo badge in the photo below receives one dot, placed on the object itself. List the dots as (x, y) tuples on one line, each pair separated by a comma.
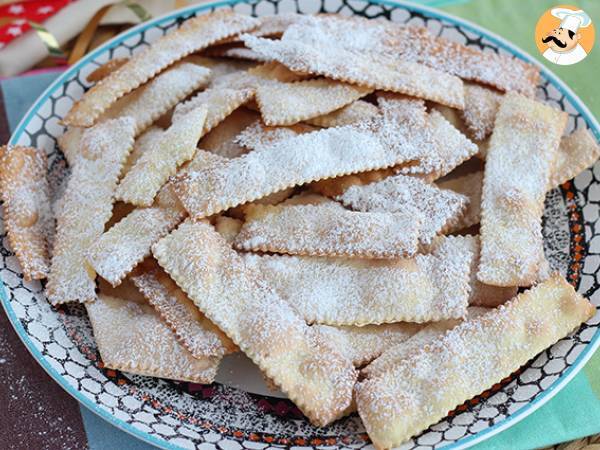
[(564, 35)]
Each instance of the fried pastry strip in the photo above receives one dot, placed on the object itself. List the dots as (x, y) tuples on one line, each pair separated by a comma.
[(129, 241), (228, 227), (577, 151), (220, 101), (415, 44), (448, 146), (427, 335), (70, 143), (450, 149), (513, 193), (132, 337), (258, 135), (332, 60), (506, 73), (290, 103), (355, 112), (363, 344), (267, 169), (219, 67), (334, 187), (481, 107), (86, 207), (469, 186), (484, 294), (273, 71), (235, 51), (330, 230), (146, 104), (402, 108), (193, 330), (236, 299), (222, 139), (159, 95), (27, 216), (321, 154), (142, 143), (105, 69), (195, 34), (275, 25), (421, 388), (439, 208), (154, 167), (339, 291)]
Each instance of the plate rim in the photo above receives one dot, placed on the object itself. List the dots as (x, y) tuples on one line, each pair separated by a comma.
[(541, 399)]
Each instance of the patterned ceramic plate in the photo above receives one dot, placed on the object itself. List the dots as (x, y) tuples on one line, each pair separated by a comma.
[(238, 411)]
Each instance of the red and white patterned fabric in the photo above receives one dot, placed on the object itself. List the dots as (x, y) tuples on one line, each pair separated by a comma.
[(15, 16)]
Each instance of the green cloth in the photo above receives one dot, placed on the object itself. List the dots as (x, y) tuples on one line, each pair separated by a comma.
[(575, 411)]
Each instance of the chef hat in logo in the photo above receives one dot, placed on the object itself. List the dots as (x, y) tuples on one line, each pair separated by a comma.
[(571, 20)]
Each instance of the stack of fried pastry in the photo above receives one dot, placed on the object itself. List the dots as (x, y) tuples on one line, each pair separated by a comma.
[(353, 208)]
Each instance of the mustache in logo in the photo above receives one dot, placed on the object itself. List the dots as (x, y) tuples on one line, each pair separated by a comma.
[(555, 40)]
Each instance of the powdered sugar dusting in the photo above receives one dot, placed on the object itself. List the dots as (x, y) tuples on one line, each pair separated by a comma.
[(372, 71), (196, 33), (330, 230), (128, 242), (362, 344), (161, 160), (513, 193), (131, 337), (470, 186), (69, 143), (86, 207), (417, 44), (451, 148), (259, 135), (438, 207), (481, 107), (159, 95), (290, 103), (327, 153), (146, 104), (355, 112), (426, 336), (340, 291), (193, 330), (576, 152), (143, 142), (124, 245), (402, 109)]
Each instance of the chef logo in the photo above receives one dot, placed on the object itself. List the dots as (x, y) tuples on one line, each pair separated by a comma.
[(565, 35)]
